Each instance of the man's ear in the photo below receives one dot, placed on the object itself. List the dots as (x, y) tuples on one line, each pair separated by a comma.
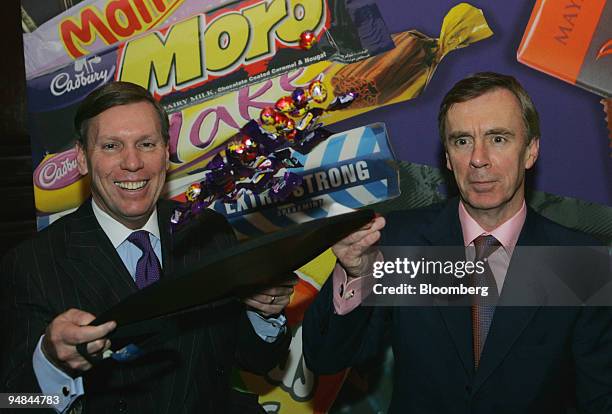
[(448, 163), (81, 159), (532, 152)]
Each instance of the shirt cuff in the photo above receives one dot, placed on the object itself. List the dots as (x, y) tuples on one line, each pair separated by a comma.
[(347, 295), (53, 381), (268, 329)]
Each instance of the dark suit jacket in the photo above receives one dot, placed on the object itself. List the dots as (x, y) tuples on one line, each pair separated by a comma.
[(535, 360), (72, 264)]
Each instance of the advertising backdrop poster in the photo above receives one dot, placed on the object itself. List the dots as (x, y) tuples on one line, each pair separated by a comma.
[(574, 164)]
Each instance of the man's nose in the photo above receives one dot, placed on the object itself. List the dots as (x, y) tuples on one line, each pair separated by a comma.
[(480, 155), (131, 159)]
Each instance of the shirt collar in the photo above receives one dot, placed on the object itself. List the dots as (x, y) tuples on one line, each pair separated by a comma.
[(507, 233), (117, 232)]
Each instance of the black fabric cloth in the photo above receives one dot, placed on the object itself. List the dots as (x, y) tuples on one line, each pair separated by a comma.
[(536, 359), (72, 264)]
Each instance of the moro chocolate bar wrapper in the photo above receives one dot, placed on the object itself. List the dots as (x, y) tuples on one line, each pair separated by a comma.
[(244, 44), (571, 40)]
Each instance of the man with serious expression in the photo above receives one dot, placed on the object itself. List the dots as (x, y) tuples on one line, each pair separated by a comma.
[(127, 159), (488, 151)]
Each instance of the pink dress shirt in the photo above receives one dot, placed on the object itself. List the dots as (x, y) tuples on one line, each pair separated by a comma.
[(348, 294)]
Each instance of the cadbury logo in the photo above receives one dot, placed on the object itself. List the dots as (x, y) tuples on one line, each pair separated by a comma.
[(57, 171), (84, 75)]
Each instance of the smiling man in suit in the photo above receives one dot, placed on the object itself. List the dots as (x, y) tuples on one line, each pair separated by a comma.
[(482, 358), (117, 242)]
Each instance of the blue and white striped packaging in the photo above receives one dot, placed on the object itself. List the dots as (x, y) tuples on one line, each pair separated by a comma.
[(347, 171)]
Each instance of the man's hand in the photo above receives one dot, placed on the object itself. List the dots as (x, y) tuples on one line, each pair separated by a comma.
[(354, 251), (66, 331), (272, 300)]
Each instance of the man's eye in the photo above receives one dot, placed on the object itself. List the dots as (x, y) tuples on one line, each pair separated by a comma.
[(461, 141), (109, 146), (147, 145), (498, 139)]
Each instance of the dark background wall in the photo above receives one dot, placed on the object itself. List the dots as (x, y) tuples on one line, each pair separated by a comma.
[(17, 215)]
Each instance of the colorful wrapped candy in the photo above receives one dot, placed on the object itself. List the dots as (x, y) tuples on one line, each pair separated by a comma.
[(300, 97), (257, 160), (307, 40), (285, 104), (193, 191), (317, 91), (267, 116)]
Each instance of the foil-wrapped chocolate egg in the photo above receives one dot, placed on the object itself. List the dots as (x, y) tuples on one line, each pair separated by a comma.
[(285, 104), (267, 116), (307, 39), (280, 121), (193, 192), (317, 91), (300, 97)]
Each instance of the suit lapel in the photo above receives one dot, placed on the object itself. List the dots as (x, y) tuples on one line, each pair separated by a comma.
[(510, 321), (446, 231), (93, 262), (182, 250), (164, 211)]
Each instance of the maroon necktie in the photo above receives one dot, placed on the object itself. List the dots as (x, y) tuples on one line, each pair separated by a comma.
[(148, 268), (483, 307)]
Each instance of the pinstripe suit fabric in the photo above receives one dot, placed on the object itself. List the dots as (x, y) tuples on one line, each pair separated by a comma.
[(72, 264)]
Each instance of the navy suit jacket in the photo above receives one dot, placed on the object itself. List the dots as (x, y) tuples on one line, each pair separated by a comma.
[(536, 359), (72, 264)]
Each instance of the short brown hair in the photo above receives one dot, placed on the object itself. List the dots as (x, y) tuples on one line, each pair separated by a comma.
[(481, 83), (115, 94)]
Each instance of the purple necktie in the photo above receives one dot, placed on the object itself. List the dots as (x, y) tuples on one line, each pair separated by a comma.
[(148, 268), (483, 308)]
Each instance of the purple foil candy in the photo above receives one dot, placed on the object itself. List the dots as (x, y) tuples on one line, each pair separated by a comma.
[(216, 163), (285, 186), (198, 206)]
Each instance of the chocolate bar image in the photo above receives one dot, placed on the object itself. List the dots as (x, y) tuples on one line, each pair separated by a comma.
[(379, 79), (407, 69)]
